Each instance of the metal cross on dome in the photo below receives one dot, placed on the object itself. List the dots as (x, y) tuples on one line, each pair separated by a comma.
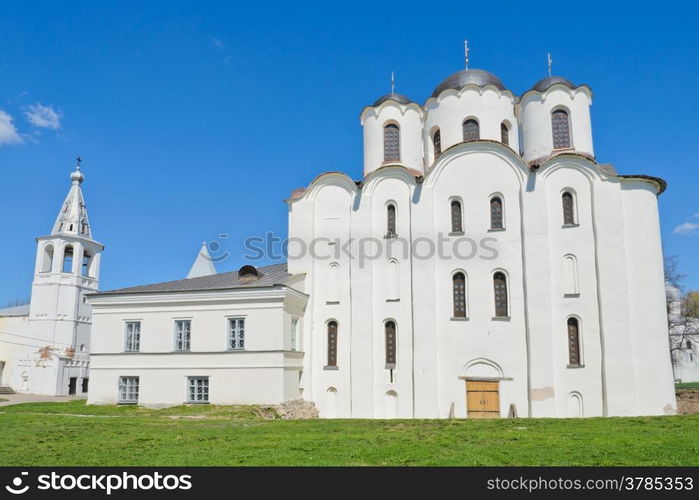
[(466, 53), (550, 62), (79, 160)]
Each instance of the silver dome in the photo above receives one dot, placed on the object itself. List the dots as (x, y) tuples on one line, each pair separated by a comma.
[(461, 78), (543, 85), (399, 98)]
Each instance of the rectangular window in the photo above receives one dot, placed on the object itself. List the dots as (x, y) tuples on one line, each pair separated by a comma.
[(294, 334), (198, 389), (236, 333), (85, 384), (128, 389), (133, 336), (183, 334)]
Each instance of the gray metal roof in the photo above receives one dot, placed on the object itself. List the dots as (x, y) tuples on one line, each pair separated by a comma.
[(400, 98), (461, 78), (544, 84), (22, 310), (275, 274)]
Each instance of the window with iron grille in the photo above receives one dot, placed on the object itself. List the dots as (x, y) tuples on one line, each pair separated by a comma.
[(183, 334), (132, 341), (500, 289), (332, 343), (236, 333), (437, 143), (390, 344), (496, 213), (568, 211), (471, 130), (504, 134), (128, 389), (197, 389), (456, 218), (561, 129), (391, 142), (573, 342), (391, 220), (459, 292)]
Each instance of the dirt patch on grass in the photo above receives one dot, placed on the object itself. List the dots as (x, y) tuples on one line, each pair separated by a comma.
[(290, 410), (688, 402)]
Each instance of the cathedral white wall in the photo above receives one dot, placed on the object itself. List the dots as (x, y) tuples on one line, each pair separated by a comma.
[(489, 106), (534, 111), (563, 298), (527, 352), (463, 346), (648, 314), (409, 120)]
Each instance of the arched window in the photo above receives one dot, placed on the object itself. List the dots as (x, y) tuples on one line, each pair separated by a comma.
[(47, 259), (496, 213), (390, 328), (85, 268), (459, 293), (568, 208), (573, 342), (571, 275), (333, 283), (391, 142), (504, 134), (561, 129), (500, 289), (332, 343), (456, 217), (437, 143), (689, 344), (391, 220), (67, 266), (393, 281), (471, 130)]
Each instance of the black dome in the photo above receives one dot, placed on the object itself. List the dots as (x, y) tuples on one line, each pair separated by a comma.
[(461, 78), (543, 85), (400, 98)]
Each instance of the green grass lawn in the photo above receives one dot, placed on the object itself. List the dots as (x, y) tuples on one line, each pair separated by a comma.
[(75, 434), (687, 385)]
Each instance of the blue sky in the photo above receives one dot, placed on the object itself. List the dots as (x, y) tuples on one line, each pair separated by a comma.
[(199, 118)]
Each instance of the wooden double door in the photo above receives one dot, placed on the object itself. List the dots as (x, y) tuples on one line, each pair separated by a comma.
[(482, 399)]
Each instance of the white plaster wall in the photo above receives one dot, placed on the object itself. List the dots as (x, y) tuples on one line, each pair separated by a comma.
[(534, 111), (528, 352), (578, 241), (489, 106), (267, 371), (409, 119), (12, 329), (648, 314), (234, 377)]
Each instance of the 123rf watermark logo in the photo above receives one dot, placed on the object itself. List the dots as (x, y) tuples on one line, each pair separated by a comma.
[(107, 483)]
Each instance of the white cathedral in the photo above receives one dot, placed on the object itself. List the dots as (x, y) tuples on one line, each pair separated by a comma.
[(496, 270)]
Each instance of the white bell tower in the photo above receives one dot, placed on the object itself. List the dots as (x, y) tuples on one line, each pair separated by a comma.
[(67, 267)]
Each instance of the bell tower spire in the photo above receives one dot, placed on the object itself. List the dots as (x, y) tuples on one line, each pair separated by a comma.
[(72, 219)]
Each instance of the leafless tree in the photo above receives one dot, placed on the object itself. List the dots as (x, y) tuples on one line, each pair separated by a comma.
[(682, 311)]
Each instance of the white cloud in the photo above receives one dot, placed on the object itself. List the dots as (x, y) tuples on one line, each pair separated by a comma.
[(687, 228), (218, 43), (43, 116), (8, 132)]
